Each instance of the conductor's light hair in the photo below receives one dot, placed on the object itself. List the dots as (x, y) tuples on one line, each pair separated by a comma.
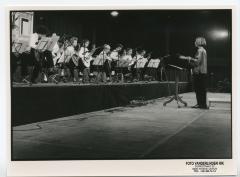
[(200, 41)]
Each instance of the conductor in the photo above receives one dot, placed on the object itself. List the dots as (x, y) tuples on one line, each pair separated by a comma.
[(200, 73)]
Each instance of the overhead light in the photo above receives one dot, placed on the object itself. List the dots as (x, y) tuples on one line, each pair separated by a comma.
[(219, 34), (114, 13)]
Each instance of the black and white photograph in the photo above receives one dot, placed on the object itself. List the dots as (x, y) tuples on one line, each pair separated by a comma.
[(121, 84)]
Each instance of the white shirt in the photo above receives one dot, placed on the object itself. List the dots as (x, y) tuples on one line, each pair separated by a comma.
[(114, 55), (81, 52), (62, 56), (85, 58), (102, 57), (127, 58), (55, 50), (69, 53), (135, 58), (142, 60)]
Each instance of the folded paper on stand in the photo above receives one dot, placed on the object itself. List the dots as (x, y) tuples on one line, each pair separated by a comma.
[(153, 63), (47, 43), (20, 46)]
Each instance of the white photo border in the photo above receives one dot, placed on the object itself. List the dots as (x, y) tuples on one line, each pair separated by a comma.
[(119, 167)]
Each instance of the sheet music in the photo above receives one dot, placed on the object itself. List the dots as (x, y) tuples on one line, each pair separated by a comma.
[(16, 47), (42, 44), (20, 46), (98, 61), (140, 64), (123, 63), (153, 63), (52, 42)]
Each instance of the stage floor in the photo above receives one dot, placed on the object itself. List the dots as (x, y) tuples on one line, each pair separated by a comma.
[(144, 130)]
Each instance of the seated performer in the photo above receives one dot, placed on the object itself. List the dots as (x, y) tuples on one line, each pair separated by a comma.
[(105, 59), (34, 62), (127, 56), (115, 56), (57, 55), (57, 51), (134, 68), (47, 63), (125, 60), (136, 57), (86, 58), (61, 61), (71, 56), (141, 71)]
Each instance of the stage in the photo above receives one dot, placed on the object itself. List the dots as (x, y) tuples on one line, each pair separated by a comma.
[(136, 131), (41, 102)]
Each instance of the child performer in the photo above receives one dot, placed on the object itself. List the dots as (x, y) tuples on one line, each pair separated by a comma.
[(143, 59), (70, 51), (85, 61), (104, 59), (47, 64), (35, 60), (60, 62), (128, 55), (134, 65), (126, 59), (115, 57), (57, 54)]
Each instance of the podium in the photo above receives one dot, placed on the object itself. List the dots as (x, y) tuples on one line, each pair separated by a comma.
[(172, 62)]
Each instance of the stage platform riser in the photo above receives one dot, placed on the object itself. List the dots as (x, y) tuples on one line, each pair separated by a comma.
[(33, 104)]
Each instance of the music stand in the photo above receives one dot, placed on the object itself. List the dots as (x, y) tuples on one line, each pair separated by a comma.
[(98, 62), (123, 63), (20, 46), (139, 66), (175, 96), (98, 66), (122, 67), (16, 47), (153, 63), (42, 44), (152, 67), (52, 42)]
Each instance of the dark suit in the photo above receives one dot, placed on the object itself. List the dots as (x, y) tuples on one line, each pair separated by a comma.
[(200, 77)]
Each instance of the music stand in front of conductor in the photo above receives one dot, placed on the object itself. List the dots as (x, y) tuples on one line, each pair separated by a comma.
[(175, 96)]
